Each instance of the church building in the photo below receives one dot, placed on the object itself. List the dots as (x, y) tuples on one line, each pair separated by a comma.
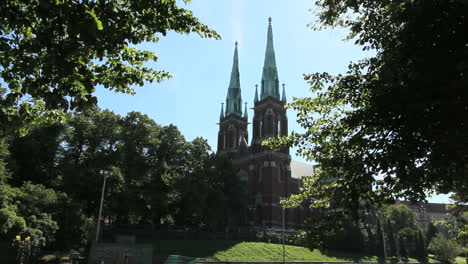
[(267, 173)]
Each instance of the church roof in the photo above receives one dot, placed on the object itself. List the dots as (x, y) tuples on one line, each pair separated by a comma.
[(299, 169)]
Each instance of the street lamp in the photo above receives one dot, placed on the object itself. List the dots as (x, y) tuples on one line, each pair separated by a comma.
[(284, 250), (105, 173)]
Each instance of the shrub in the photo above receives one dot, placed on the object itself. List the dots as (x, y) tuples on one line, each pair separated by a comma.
[(444, 250)]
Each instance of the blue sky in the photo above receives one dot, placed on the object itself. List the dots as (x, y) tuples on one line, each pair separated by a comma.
[(201, 68)]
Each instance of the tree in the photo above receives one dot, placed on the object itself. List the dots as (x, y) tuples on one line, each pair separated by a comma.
[(11, 222), (333, 230), (153, 176), (391, 232), (394, 126), (4, 154), (381, 250), (55, 53), (420, 252), (322, 227), (392, 242), (28, 211), (403, 249), (457, 222), (444, 250), (89, 142), (37, 205), (431, 232), (33, 157), (404, 235)]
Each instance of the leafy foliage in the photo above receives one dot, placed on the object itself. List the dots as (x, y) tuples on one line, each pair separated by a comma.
[(10, 222), (394, 125), (445, 250), (55, 53), (457, 222), (390, 232), (28, 211), (153, 176), (4, 153)]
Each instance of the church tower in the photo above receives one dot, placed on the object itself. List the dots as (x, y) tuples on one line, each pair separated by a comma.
[(233, 135), (266, 172), (270, 179), (270, 119)]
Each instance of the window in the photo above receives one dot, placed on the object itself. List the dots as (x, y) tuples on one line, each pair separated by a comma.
[(279, 128)]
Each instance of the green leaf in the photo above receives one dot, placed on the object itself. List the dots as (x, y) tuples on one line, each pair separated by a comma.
[(96, 19)]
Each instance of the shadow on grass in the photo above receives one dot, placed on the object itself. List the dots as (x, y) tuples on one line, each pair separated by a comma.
[(348, 256), (190, 248), (7, 252)]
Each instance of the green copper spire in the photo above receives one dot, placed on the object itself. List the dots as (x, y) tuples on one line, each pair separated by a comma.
[(221, 116), (283, 97), (233, 98), (270, 73), (256, 94)]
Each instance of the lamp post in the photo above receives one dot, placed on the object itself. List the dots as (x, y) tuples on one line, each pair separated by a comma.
[(105, 173), (282, 199), (24, 249), (284, 255)]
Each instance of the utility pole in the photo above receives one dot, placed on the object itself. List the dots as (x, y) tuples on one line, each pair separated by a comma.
[(282, 199), (284, 255), (102, 201)]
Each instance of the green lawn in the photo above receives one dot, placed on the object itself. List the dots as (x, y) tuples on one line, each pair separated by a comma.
[(460, 260), (254, 251), (247, 251)]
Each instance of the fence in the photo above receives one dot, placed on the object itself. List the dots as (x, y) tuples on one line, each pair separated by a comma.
[(145, 233)]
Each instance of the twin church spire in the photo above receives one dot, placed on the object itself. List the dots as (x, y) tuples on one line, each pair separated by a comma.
[(269, 84), (234, 98)]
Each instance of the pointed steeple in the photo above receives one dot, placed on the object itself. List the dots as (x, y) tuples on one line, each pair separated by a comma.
[(221, 116), (270, 81), (283, 97), (233, 98), (245, 111), (235, 82), (256, 94)]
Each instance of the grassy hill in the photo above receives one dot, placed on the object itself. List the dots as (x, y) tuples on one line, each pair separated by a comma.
[(247, 251), (254, 251)]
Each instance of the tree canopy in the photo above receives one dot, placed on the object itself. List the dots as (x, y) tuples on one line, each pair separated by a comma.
[(394, 126), (53, 54), (51, 179)]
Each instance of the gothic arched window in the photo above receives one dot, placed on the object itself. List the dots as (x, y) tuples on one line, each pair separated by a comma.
[(231, 136), (270, 123), (278, 125)]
